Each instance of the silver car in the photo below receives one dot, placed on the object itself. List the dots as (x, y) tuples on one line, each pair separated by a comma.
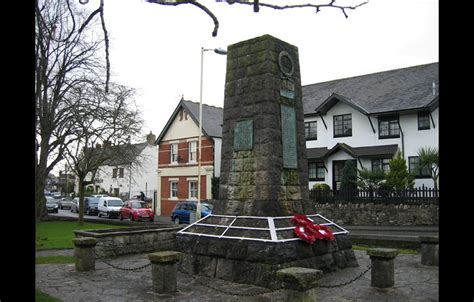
[(65, 203), (52, 204)]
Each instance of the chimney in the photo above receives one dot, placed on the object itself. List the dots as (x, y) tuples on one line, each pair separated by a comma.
[(151, 138)]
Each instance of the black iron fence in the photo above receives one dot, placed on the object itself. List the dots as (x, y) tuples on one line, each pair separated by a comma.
[(420, 195)]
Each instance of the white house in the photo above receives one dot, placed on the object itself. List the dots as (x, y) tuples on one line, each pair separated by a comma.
[(121, 178), (368, 118)]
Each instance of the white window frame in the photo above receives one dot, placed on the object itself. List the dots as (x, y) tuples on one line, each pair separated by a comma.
[(190, 152), (174, 156), (190, 195), (171, 189)]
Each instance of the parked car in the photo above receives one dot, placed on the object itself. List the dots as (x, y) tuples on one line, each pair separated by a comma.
[(110, 206), (65, 202), (56, 195), (182, 211), (52, 204), (90, 205), (136, 210)]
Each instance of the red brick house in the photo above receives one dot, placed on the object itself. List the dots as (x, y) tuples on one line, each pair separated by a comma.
[(178, 154)]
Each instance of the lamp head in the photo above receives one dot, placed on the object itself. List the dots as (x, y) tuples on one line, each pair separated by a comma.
[(220, 51)]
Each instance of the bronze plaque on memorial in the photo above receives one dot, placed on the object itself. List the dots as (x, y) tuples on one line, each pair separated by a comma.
[(288, 133), (287, 89), (243, 135)]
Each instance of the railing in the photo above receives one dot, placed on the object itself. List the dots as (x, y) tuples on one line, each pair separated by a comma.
[(421, 195)]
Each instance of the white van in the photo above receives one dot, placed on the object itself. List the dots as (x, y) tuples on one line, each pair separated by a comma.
[(110, 206)]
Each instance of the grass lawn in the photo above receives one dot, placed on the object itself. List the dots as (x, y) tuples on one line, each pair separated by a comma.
[(42, 297), (52, 235)]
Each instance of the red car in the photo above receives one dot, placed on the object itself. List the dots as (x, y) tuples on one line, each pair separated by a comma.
[(136, 210)]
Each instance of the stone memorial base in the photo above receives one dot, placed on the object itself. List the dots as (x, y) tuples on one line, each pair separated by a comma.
[(256, 262)]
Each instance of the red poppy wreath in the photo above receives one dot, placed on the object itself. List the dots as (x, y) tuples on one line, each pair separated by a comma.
[(310, 232)]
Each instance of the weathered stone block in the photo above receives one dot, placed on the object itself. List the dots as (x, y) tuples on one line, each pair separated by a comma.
[(340, 259), (224, 268), (343, 242), (206, 266), (299, 278), (236, 250), (217, 248), (429, 250), (383, 272), (351, 258)]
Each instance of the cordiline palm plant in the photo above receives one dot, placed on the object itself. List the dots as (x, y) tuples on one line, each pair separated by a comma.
[(429, 158)]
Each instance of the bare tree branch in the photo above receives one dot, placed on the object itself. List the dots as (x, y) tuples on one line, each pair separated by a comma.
[(192, 2), (281, 7)]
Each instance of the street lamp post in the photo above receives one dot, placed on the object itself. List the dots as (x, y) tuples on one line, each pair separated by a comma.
[(220, 52)]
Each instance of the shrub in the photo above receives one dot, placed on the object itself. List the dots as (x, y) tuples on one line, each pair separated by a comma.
[(349, 177), (398, 177), (321, 186)]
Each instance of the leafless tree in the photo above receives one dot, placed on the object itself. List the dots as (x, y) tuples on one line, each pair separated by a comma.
[(101, 133), (66, 55)]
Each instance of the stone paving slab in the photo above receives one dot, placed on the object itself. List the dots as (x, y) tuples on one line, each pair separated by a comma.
[(413, 282)]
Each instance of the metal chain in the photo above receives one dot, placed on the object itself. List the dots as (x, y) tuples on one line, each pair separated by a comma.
[(121, 268), (225, 291), (348, 282)]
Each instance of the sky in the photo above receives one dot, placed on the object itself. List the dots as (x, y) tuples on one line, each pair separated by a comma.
[(156, 49)]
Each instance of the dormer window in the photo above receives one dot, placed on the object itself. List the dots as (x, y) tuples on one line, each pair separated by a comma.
[(343, 125), (389, 127), (423, 120)]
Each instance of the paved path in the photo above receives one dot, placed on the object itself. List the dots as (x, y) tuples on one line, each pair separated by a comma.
[(413, 282)]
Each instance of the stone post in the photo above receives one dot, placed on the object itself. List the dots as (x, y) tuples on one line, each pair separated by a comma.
[(84, 253), (163, 270), (383, 273), (429, 250), (299, 283)]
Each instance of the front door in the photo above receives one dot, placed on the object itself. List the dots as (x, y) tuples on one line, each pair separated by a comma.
[(337, 168)]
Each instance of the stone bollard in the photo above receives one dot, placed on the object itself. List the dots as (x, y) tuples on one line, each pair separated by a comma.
[(429, 250), (383, 272), (163, 270), (84, 253), (299, 283)]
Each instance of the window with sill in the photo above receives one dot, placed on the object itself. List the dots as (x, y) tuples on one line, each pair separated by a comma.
[(192, 151), (316, 171), (343, 125), (192, 189), (389, 127), (414, 168), (423, 120), (310, 130), (174, 189), (174, 154)]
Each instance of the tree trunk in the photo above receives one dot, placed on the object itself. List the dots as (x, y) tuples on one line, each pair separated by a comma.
[(81, 201), (40, 201), (41, 174)]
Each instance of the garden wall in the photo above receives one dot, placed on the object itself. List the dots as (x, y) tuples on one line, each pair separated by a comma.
[(116, 242), (380, 214)]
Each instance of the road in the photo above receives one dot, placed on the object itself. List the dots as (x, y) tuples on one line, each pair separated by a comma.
[(92, 218)]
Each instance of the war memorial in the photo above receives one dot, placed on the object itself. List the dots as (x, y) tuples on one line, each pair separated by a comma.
[(264, 179)]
